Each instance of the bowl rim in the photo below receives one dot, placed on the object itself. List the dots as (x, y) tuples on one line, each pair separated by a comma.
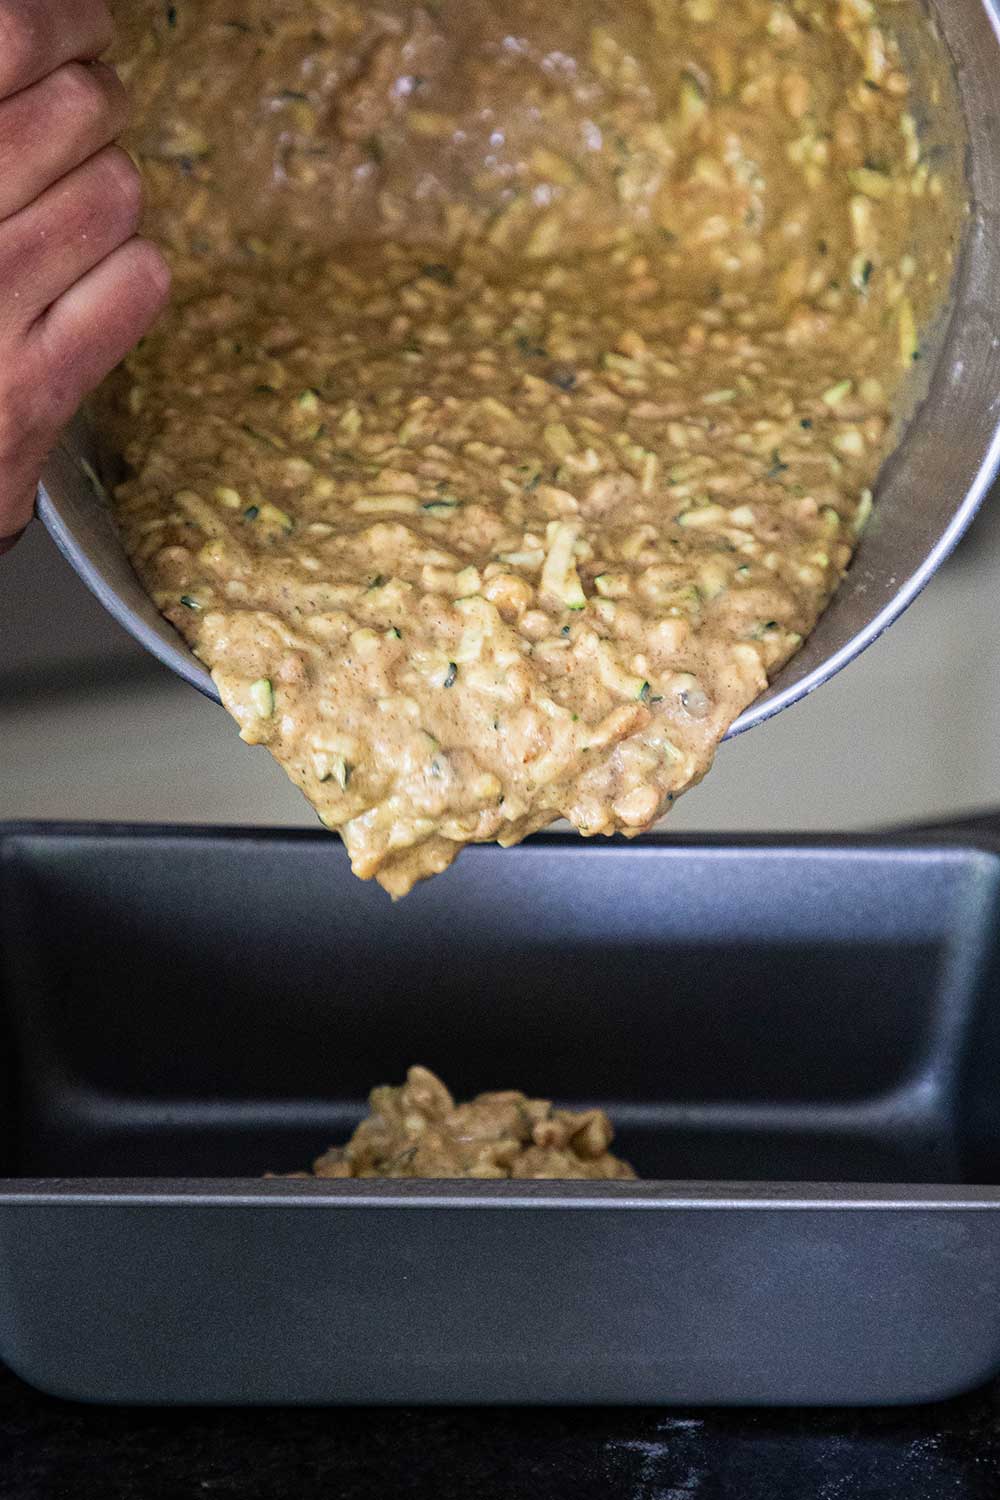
[(177, 657), (167, 646)]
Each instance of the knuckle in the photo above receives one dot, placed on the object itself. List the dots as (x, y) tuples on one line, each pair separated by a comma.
[(103, 24), (37, 35), (17, 43), (143, 281), (124, 184), (155, 272), (136, 295), (81, 98), (101, 201), (114, 93)]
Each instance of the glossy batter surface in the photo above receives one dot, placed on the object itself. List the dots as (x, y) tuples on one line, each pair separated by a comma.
[(527, 376)]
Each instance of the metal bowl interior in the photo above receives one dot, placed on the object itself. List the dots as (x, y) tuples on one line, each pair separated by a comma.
[(928, 490)]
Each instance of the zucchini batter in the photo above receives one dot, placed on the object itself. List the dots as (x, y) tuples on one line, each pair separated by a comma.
[(417, 1130), (527, 376)]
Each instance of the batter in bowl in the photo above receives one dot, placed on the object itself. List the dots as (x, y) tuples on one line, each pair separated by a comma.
[(528, 372)]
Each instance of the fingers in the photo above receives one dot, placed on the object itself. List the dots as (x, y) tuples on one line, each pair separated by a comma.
[(63, 358), (77, 288), (55, 125), (57, 239), (37, 36), (90, 328)]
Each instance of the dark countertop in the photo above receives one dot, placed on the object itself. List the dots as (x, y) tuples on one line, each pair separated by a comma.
[(50, 1450)]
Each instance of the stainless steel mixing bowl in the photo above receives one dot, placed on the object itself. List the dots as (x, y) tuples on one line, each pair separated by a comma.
[(928, 491)]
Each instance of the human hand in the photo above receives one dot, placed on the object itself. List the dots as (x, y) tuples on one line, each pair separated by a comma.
[(78, 287)]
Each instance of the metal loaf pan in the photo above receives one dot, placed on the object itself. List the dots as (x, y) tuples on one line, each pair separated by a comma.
[(799, 1042)]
